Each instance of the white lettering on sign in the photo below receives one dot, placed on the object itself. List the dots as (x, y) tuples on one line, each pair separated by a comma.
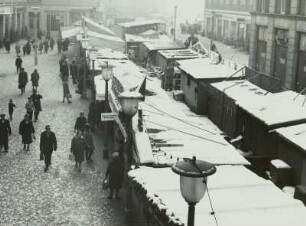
[(108, 117)]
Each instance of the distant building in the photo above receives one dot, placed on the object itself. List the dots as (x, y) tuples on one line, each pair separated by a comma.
[(278, 41), (229, 21)]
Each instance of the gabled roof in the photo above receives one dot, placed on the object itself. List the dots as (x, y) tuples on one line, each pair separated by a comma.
[(140, 23)]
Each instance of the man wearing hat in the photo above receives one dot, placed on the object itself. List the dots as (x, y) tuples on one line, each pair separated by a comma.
[(48, 144), (22, 80), (18, 63), (5, 131)]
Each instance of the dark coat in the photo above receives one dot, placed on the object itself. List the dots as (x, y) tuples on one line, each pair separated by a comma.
[(23, 78), (5, 130), (34, 78), (26, 130), (80, 123), (36, 101), (48, 143), (73, 69), (46, 45), (89, 141), (78, 146), (18, 62), (115, 172), (64, 69)]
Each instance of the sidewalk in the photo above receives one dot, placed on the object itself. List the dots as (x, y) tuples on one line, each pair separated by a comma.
[(62, 196)]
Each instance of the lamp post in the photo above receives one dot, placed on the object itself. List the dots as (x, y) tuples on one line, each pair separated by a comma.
[(107, 73), (129, 103), (193, 182), (93, 56), (85, 44)]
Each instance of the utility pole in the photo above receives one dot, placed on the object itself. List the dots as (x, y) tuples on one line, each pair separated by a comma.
[(174, 25)]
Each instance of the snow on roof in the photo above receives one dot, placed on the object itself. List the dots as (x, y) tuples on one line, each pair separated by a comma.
[(295, 134), (149, 32), (137, 38), (103, 36), (179, 54), (159, 45), (140, 23), (188, 135), (96, 27), (111, 54), (239, 197), (71, 31), (203, 68)]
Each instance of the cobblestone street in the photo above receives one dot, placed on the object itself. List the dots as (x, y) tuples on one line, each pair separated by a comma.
[(61, 196)]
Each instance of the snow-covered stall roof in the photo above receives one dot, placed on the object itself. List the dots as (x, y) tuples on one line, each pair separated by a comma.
[(98, 28), (106, 41), (294, 134), (140, 23), (160, 45), (137, 38), (239, 197), (203, 68), (177, 132), (71, 31), (111, 54), (179, 54)]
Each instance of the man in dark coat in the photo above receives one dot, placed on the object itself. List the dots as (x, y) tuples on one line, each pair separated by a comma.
[(35, 79), (48, 144), (80, 123), (115, 174), (74, 71), (22, 80), (46, 45), (64, 69), (18, 63), (52, 42), (37, 104), (27, 131), (5, 131)]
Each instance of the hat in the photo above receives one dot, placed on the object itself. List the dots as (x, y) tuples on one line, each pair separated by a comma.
[(115, 155), (2, 114)]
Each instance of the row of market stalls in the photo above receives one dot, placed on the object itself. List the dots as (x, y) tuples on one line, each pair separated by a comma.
[(165, 131), (172, 132)]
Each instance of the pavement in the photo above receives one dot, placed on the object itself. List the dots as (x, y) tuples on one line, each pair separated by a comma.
[(228, 52), (61, 196)]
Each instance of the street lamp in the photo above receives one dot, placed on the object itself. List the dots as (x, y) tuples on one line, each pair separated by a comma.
[(93, 53), (107, 73), (85, 45), (193, 181)]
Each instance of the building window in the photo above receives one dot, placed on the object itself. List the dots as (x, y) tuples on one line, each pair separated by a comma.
[(303, 42), (281, 37), (263, 6), (54, 21), (262, 34), (302, 8), (283, 6), (188, 80)]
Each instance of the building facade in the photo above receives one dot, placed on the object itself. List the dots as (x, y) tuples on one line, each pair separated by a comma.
[(229, 21), (278, 41), (28, 16)]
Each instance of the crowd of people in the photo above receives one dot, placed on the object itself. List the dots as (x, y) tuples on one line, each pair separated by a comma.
[(82, 144)]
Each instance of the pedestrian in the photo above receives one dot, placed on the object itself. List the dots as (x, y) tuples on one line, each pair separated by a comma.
[(48, 144), (24, 49), (7, 45), (27, 131), (29, 106), (22, 80), (59, 45), (40, 47), (5, 132), (18, 63), (90, 147), (17, 48), (46, 45), (11, 107), (36, 99), (28, 47), (80, 123), (78, 149), (35, 79), (52, 42), (114, 175), (93, 114), (66, 90), (66, 43), (74, 71), (64, 68)]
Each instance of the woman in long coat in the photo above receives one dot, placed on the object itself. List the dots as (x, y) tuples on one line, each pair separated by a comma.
[(35, 79), (22, 80), (115, 174), (27, 131), (66, 90), (78, 149)]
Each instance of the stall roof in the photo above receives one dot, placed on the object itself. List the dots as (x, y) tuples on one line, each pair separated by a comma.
[(177, 132), (160, 45), (203, 68), (179, 54), (140, 23), (137, 38), (238, 196), (111, 54), (294, 134), (71, 31), (106, 41), (96, 27)]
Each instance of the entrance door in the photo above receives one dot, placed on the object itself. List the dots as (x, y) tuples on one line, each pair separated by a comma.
[(301, 76), (280, 62), (261, 56)]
